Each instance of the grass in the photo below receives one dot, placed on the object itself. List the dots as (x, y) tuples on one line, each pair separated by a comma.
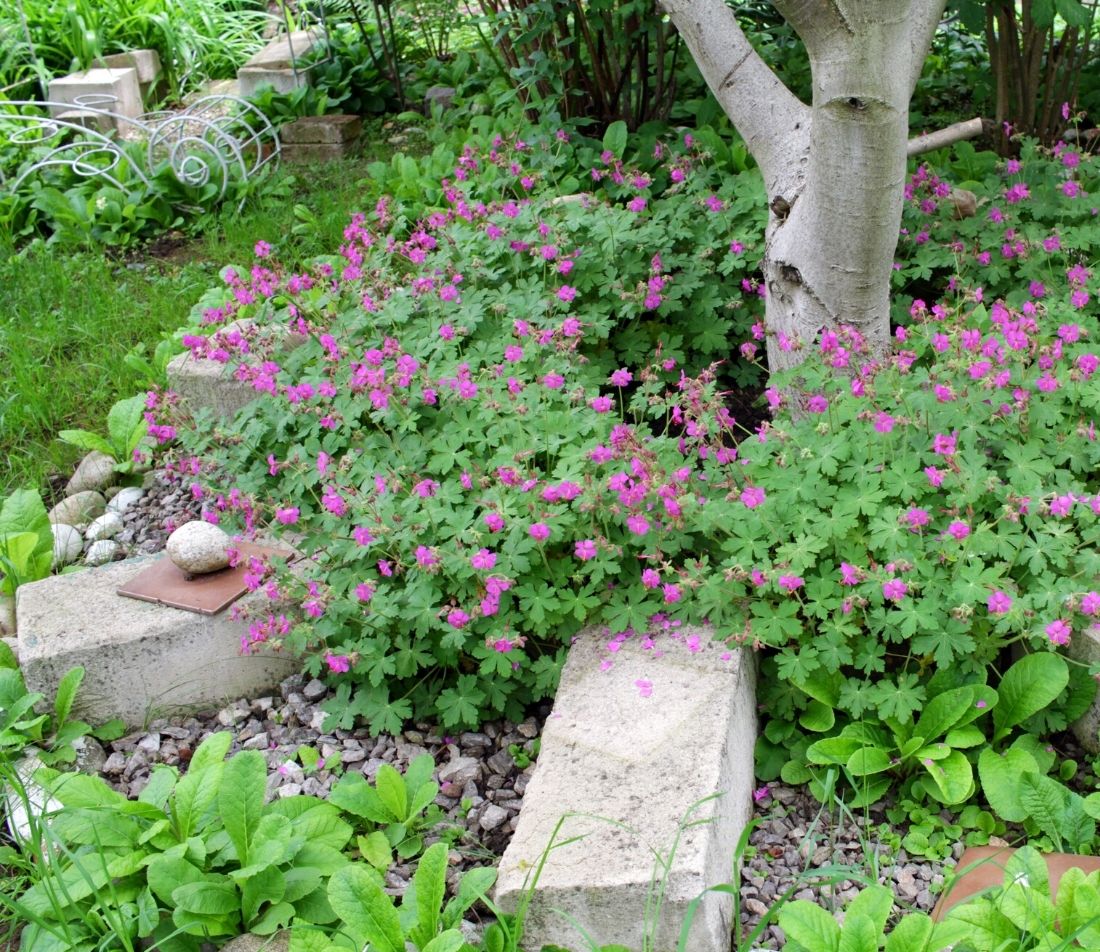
[(69, 319)]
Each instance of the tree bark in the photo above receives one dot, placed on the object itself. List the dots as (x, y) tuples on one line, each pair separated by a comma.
[(834, 171)]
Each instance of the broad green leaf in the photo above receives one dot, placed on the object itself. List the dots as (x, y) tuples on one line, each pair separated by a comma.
[(952, 776), (860, 934), (211, 751), (810, 926), (1031, 684), (195, 795), (353, 794), (474, 884), (165, 873), (241, 799), (1000, 776), (66, 695), (943, 712), (430, 880), (833, 750), (8, 661), (84, 440), (1045, 802), (614, 139), (450, 941), (266, 886), (1026, 908), (16, 560), (913, 932), (368, 913), (391, 791), (817, 717), (868, 760), (277, 916), (874, 902), (126, 426)]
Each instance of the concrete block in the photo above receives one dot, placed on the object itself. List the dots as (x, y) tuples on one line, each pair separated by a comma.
[(119, 84), (251, 78), (146, 62), (321, 129), (1084, 646), (141, 660), (304, 153), (204, 384), (283, 52), (639, 744)]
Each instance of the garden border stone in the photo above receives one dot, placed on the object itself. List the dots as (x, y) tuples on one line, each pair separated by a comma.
[(119, 84), (639, 744), (1085, 647), (141, 659)]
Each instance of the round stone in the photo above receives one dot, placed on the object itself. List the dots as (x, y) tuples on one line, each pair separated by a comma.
[(198, 548), (79, 510), (102, 552), (125, 498), (106, 526), (67, 544), (96, 472)]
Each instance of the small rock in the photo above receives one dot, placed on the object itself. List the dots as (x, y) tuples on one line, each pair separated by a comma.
[(198, 548), (79, 510), (315, 690), (460, 771), (102, 552), (91, 758), (96, 472), (280, 942), (67, 544), (289, 790), (124, 499), (441, 96), (492, 817), (106, 526)]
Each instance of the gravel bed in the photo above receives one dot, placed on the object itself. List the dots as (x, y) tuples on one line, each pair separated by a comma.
[(796, 835), (481, 785), (166, 506)]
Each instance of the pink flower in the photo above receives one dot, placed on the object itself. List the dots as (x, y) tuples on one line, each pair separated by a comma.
[(817, 404), (338, 664), (671, 593), (998, 602), (361, 535), (364, 591), (334, 502), (935, 477), (1058, 632), (651, 578), (287, 516), (385, 567), (894, 589), (849, 574), (483, 559), (958, 530), (943, 444), (638, 525), (553, 381), (621, 378), (457, 618), (752, 496), (426, 488), (1061, 505), (915, 518), (600, 404), (884, 423), (502, 645), (494, 521), (1090, 604), (566, 293), (425, 557), (585, 549), (790, 583), (539, 531), (644, 686), (447, 332)]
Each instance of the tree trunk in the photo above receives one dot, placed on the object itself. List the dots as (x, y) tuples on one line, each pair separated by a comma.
[(834, 171)]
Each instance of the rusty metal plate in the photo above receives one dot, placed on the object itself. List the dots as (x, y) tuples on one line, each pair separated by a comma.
[(165, 584)]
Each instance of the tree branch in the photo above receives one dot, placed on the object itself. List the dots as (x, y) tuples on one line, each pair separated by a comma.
[(949, 135), (771, 119), (924, 18)]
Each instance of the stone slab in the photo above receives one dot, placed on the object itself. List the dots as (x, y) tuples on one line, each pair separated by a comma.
[(306, 152), (121, 84), (146, 62), (141, 660), (250, 79), (983, 867), (639, 744), (1085, 647), (281, 53), (321, 129)]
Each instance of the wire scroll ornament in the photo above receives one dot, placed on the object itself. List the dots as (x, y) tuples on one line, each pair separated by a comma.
[(216, 139)]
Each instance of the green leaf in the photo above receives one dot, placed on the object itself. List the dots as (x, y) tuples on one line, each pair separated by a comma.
[(66, 694), (1031, 684), (868, 760), (211, 751), (874, 902), (126, 427), (16, 560), (430, 882), (817, 717), (391, 792), (1044, 801), (810, 926), (943, 712), (84, 440), (474, 884), (194, 796), (614, 139), (277, 916), (860, 934), (241, 799), (1000, 775), (207, 898), (450, 941), (368, 913), (953, 777), (166, 872), (913, 932), (8, 661), (266, 886)]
